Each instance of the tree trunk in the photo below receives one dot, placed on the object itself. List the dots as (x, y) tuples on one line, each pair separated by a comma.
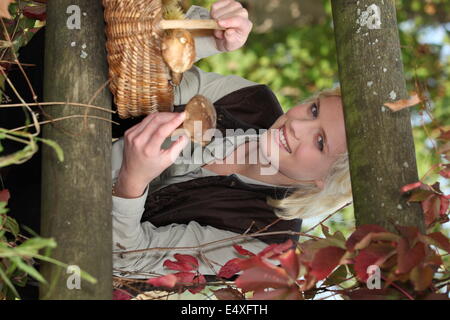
[(380, 142), (76, 193)]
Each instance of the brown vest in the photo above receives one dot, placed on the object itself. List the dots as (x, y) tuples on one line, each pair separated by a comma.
[(224, 202)]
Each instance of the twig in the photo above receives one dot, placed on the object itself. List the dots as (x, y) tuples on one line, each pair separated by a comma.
[(35, 121), (33, 115), (403, 291), (204, 245), (328, 217), (64, 118), (13, 62), (57, 103), (91, 100)]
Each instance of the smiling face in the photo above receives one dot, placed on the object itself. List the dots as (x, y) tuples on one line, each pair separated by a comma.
[(309, 138)]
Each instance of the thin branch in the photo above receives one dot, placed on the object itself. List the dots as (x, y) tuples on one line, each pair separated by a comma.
[(204, 245), (64, 118), (15, 105), (13, 62), (33, 115), (328, 217), (403, 291)]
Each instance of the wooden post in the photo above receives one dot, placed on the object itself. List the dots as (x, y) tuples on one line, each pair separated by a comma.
[(380, 142), (76, 193)]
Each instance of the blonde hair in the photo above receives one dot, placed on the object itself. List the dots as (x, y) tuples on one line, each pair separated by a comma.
[(308, 200)]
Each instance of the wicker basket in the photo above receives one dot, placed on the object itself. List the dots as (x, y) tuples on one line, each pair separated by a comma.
[(139, 77)]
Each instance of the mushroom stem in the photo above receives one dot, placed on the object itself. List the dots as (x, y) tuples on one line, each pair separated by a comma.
[(190, 24)]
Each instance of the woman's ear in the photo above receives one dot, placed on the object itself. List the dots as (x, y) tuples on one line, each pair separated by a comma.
[(320, 184)]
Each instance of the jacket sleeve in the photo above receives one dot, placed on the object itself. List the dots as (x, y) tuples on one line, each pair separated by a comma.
[(130, 234), (209, 84)]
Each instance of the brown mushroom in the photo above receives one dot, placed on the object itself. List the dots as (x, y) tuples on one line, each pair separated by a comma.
[(200, 116), (178, 51)]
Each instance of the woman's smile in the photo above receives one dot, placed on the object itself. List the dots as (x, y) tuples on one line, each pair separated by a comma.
[(281, 139)]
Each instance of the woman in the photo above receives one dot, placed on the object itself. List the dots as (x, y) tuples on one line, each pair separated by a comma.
[(162, 198)]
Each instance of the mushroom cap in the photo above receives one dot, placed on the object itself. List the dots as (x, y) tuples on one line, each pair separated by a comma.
[(178, 50), (200, 116)]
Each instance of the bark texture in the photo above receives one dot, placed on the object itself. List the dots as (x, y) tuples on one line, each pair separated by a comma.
[(380, 142), (76, 193)]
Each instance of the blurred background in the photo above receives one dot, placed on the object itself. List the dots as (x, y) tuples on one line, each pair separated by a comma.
[(292, 50)]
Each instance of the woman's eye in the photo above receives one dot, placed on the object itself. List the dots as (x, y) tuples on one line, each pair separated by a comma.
[(320, 143), (314, 110)]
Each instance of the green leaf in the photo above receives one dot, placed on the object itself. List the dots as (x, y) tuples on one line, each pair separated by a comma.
[(12, 226), (339, 275), (36, 244), (3, 208), (6, 280), (86, 276), (30, 270), (55, 146)]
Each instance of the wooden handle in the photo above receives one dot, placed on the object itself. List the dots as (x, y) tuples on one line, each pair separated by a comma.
[(190, 24)]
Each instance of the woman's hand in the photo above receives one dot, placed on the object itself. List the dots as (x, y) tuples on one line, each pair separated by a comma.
[(231, 15), (143, 158)]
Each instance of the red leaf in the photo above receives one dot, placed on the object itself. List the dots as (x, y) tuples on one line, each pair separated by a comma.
[(185, 278), (35, 12), (443, 210), (185, 258), (432, 208), (4, 195), (411, 234), (375, 254), (408, 258), (325, 261), (199, 282), (439, 240), (167, 281), (242, 251), (422, 277), (445, 172), (262, 275), (290, 262), (274, 250), (229, 269), (184, 263), (445, 135), (121, 295), (228, 294), (411, 186), (420, 195), (290, 293), (360, 233), (403, 103)]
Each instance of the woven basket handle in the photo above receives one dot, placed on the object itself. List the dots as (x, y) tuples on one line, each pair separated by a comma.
[(190, 24)]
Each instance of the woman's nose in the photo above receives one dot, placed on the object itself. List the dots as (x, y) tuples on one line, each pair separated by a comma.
[(301, 125)]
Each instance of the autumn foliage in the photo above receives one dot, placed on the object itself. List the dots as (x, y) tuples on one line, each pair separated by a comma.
[(409, 264)]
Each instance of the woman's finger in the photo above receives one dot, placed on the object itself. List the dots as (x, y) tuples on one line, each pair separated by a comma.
[(165, 130), (227, 10), (218, 34), (176, 148), (137, 128), (236, 22), (149, 127), (218, 5)]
